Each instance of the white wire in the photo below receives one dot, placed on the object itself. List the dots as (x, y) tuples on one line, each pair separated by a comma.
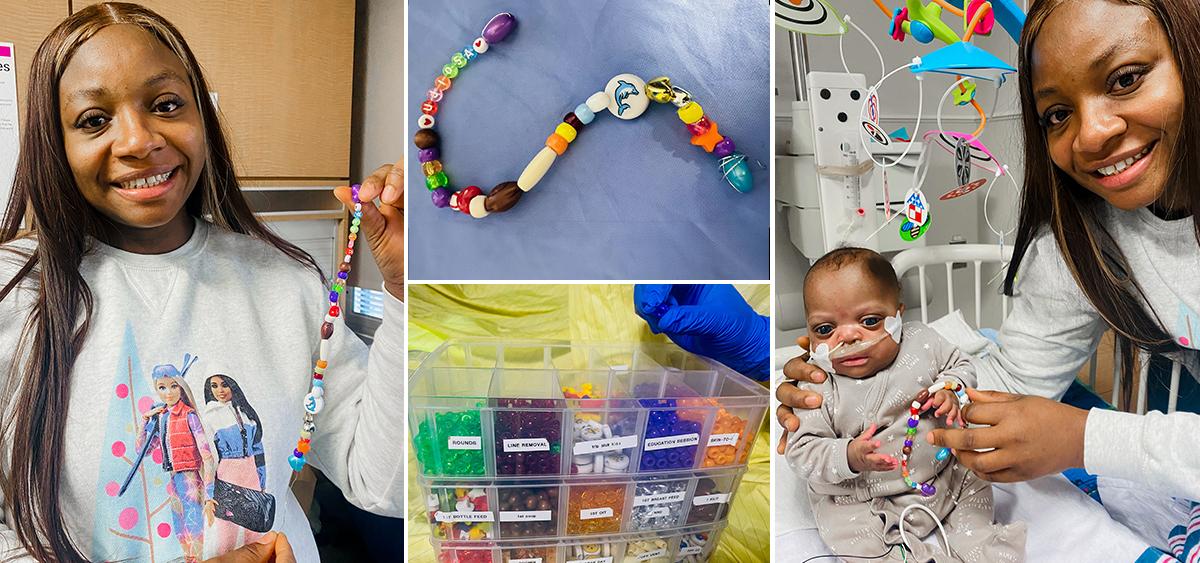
[(842, 53), (904, 537), (862, 112)]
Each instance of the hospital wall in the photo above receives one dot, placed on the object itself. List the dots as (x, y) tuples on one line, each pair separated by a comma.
[(960, 220)]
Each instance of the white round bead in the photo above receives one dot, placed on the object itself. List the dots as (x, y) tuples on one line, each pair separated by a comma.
[(480, 45), (627, 97), (597, 102), (425, 121), (313, 403), (478, 211)]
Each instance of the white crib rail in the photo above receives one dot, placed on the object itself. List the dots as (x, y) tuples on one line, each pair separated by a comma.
[(977, 254)]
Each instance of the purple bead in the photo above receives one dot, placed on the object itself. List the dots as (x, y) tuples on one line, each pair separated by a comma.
[(441, 197), (298, 454), (908, 443), (723, 148), (499, 27), (343, 275), (927, 490), (912, 423), (431, 153), (333, 297)]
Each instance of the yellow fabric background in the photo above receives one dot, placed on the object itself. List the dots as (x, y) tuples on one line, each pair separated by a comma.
[(573, 312)]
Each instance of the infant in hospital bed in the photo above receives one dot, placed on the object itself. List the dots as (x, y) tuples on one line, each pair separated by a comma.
[(863, 454)]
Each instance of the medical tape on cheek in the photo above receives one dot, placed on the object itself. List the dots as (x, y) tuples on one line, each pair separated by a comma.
[(894, 326), (819, 356)]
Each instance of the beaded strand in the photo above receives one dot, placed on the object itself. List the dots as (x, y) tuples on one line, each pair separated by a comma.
[(314, 401), (914, 418), (626, 96)]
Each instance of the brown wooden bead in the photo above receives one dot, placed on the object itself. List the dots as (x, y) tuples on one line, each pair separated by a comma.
[(572, 120), (907, 450), (426, 138), (922, 396), (503, 197)]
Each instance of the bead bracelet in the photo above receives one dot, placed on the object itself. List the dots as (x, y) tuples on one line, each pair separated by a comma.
[(626, 96), (914, 415), (314, 401)]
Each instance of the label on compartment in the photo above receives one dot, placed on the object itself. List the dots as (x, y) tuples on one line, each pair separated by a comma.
[(526, 560), (526, 445), (593, 513), (663, 498), (659, 512), (524, 515), (677, 441), (592, 560), (661, 552), (613, 444), (465, 443), (719, 498), (463, 516), (691, 550), (723, 440)]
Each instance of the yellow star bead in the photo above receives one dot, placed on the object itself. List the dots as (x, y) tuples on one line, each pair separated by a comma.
[(709, 139)]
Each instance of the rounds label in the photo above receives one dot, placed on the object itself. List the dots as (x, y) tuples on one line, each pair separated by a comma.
[(464, 443)]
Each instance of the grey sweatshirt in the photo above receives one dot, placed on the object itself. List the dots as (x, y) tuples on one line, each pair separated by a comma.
[(1053, 329), (245, 311)]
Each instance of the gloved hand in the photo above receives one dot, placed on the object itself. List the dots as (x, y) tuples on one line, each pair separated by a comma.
[(710, 320)]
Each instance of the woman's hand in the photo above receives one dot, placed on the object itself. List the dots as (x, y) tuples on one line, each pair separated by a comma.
[(1028, 437), (797, 369), (383, 224), (273, 547)]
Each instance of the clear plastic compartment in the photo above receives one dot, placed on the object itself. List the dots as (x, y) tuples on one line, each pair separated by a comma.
[(692, 544), (711, 495), (539, 409)]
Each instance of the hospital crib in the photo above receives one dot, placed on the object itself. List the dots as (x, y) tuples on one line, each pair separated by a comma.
[(991, 258)]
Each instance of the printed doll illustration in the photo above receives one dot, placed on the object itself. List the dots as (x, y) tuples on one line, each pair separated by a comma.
[(173, 428), (244, 510)]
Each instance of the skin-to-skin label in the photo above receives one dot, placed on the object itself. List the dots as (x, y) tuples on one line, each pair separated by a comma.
[(723, 440), (465, 443), (667, 442), (525, 515), (526, 445)]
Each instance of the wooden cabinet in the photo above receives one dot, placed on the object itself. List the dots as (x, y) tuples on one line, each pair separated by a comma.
[(25, 23), (281, 71)]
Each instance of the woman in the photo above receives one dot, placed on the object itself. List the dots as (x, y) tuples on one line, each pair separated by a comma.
[(237, 434), (1109, 237), (140, 234)]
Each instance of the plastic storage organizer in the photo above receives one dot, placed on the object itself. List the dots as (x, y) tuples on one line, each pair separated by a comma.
[(546, 443)]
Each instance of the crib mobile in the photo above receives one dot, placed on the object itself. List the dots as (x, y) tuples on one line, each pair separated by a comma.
[(626, 96)]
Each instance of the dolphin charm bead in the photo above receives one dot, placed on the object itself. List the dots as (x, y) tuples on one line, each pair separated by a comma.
[(627, 97)]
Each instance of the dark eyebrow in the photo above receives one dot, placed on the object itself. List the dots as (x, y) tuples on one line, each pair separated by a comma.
[(100, 91), (1096, 65)]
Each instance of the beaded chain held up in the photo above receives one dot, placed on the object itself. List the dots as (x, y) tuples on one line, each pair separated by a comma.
[(626, 96), (914, 417), (314, 401)]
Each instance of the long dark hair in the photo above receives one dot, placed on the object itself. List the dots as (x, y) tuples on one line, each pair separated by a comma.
[(61, 222), (1073, 214), (239, 398)]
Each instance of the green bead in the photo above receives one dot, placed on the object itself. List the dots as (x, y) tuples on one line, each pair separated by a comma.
[(355, 221), (437, 181), (450, 71), (354, 229), (458, 60)]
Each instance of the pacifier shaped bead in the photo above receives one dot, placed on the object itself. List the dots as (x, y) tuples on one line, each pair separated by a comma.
[(442, 83), (690, 113), (565, 131), (723, 148), (584, 113), (432, 167), (503, 197), (450, 71), (480, 45), (498, 28), (426, 138), (434, 95), (458, 60), (659, 90), (425, 121), (627, 96), (597, 102), (297, 463), (431, 153), (430, 107)]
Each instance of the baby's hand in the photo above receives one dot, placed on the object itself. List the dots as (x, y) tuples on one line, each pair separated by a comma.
[(862, 457), (947, 403)]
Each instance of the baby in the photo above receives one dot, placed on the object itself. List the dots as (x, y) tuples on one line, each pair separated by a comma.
[(864, 456)]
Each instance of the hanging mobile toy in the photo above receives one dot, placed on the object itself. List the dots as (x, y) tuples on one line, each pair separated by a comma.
[(914, 418), (626, 96)]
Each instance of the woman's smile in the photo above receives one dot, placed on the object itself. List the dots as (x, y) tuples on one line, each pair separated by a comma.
[(147, 185)]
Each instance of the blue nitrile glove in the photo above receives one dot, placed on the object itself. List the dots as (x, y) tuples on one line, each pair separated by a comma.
[(710, 320)]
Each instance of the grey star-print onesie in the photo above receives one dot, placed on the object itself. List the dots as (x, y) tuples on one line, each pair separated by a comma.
[(858, 513)]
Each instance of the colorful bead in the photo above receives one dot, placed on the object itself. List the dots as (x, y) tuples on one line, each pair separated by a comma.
[(458, 60), (723, 148), (565, 131), (297, 463), (326, 331), (573, 120), (433, 449), (322, 364), (442, 83), (690, 113), (426, 139), (440, 197), (584, 113), (432, 167), (503, 197), (450, 71), (597, 102), (437, 180), (434, 95), (537, 168), (709, 139), (516, 419), (943, 454), (557, 143), (469, 54), (425, 121), (583, 501), (477, 207), (431, 153), (429, 107), (737, 172), (626, 96), (699, 127), (464, 198), (659, 90), (498, 28), (480, 45)]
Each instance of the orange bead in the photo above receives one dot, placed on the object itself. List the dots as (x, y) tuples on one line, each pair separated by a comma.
[(322, 364), (556, 143), (302, 447)]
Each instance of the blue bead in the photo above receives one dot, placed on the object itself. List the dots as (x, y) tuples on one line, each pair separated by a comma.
[(297, 463), (943, 454), (321, 383), (333, 296), (343, 275), (912, 423), (584, 114), (737, 172)]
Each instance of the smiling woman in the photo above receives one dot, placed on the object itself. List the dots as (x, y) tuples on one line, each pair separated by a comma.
[(141, 247)]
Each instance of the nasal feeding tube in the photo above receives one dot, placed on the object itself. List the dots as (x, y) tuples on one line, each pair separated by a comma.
[(843, 350)]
